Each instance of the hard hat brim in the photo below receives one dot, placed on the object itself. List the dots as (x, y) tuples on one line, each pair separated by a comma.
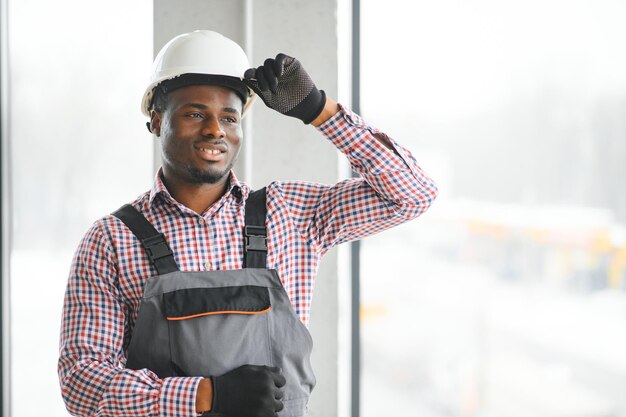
[(180, 81)]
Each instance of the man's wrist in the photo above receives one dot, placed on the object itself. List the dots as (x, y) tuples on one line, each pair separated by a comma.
[(204, 396), (330, 109)]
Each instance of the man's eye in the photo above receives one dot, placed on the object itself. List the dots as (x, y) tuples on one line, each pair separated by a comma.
[(194, 115), (231, 119)]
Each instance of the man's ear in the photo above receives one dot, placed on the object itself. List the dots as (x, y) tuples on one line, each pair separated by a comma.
[(155, 122)]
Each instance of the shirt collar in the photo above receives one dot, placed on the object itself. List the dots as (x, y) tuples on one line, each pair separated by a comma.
[(158, 188)]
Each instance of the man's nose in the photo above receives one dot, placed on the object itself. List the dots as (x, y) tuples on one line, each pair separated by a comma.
[(213, 128)]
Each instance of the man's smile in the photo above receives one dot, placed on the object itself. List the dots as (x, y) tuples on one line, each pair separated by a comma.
[(211, 152)]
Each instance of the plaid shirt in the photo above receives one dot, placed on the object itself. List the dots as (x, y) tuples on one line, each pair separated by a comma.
[(304, 221)]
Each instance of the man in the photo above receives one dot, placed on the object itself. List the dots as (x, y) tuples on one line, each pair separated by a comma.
[(195, 297)]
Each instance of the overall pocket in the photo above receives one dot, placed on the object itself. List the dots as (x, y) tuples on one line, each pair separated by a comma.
[(214, 330)]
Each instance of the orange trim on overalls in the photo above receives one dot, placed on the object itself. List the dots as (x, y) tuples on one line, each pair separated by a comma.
[(210, 313)]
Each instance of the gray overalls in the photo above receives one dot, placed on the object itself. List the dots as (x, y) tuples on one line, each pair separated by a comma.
[(208, 323)]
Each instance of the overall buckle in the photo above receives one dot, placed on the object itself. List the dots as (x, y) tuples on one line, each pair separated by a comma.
[(157, 247), (256, 238)]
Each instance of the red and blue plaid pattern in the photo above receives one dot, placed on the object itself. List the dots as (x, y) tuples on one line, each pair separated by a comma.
[(304, 221)]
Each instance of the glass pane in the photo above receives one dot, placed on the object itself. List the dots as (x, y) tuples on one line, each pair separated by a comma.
[(79, 150), (508, 297)]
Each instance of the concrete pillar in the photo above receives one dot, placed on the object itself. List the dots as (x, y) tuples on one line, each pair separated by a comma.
[(278, 147)]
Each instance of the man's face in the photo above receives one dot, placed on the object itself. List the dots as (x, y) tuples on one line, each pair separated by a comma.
[(200, 132)]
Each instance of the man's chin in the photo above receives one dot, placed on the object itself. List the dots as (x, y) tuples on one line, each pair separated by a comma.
[(207, 176)]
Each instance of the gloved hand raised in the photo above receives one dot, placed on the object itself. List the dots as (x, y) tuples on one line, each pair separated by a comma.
[(248, 391), (285, 86)]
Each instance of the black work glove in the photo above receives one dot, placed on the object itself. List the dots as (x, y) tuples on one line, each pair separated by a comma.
[(248, 391), (285, 86)]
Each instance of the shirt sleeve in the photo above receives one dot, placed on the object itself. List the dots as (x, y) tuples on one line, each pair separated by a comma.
[(91, 368), (391, 188)]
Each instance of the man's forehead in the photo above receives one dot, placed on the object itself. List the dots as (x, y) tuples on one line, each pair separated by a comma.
[(201, 106)]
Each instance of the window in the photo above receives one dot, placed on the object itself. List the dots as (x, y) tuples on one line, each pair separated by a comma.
[(79, 150), (507, 297)]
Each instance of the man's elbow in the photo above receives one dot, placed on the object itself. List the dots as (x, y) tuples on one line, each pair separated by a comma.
[(417, 204), (78, 402)]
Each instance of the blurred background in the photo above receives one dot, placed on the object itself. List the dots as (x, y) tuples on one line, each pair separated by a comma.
[(79, 149), (506, 299)]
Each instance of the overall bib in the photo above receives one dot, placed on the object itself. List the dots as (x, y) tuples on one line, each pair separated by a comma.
[(211, 322)]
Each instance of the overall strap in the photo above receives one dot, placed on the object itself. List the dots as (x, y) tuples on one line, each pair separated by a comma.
[(153, 242), (255, 232)]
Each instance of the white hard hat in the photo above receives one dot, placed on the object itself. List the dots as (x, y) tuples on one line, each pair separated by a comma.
[(197, 52)]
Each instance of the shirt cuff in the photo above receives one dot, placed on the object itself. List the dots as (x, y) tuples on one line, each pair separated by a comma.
[(178, 397), (346, 129), (355, 138), (343, 115)]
